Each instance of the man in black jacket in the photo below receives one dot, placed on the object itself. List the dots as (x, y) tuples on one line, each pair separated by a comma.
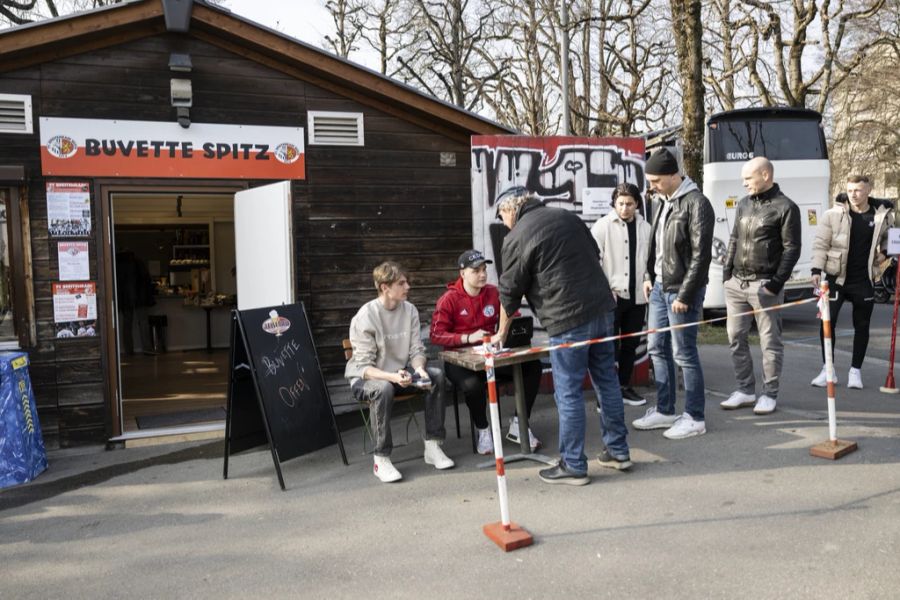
[(762, 252), (551, 258), (678, 264)]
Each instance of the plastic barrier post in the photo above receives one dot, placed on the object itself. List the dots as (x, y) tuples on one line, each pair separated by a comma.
[(889, 386), (506, 534), (834, 448)]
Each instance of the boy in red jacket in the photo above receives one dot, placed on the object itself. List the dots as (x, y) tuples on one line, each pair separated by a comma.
[(469, 310)]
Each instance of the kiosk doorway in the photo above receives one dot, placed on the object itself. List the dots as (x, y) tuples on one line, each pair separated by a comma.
[(173, 267)]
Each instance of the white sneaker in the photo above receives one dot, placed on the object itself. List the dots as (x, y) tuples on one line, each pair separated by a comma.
[(513, 434), (765, 405), (435, 456), (484, 443), (653, 419), (385, 471), (685, 427), (821, 379), (738, 400), (854, 379)]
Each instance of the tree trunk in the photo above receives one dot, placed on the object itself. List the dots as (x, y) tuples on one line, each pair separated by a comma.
[(687, 28)]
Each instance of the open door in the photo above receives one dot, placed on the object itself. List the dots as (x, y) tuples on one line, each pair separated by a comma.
[(263, 245)]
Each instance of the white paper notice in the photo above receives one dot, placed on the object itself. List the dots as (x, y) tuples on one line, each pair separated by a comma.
[(73, 261), (596, 201), (68, 209)]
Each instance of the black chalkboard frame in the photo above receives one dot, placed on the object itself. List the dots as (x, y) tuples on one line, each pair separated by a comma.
[(247, 401)]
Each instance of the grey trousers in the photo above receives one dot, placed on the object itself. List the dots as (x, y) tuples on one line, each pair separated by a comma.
[(740, 299), (379, 395)]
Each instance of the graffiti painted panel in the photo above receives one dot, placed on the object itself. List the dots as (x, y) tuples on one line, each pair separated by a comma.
[(575, 173)]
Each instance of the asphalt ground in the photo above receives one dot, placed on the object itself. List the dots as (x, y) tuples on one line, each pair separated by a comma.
[(741, 512)]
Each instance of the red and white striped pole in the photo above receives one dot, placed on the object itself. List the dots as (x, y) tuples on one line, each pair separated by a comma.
[(506, 534), (833, 448), (889, 386)]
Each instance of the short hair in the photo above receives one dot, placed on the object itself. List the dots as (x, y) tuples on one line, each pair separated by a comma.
[(627, 189), (387, 272), (855, 178)]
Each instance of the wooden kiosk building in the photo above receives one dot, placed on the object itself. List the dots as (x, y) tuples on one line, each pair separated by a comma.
[(135, 125)]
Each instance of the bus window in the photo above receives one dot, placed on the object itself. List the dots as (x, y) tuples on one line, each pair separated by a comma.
[(777, 139)]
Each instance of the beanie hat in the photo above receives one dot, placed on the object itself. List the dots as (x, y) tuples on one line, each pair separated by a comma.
[(661, 162)]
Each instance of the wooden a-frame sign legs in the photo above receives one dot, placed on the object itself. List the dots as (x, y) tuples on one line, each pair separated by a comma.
[(276, 392)]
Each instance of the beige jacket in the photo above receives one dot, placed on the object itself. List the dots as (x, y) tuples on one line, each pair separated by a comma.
[(611, 234), (830, 248)]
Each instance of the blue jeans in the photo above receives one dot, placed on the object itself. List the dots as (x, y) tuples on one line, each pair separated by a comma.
[(676, 347), (569, 366)]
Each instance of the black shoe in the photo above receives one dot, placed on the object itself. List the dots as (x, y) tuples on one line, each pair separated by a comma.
[(560, 474), (612, 462), (632, 398)]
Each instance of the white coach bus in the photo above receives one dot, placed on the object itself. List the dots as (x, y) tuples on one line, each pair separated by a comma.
[(793, 139)]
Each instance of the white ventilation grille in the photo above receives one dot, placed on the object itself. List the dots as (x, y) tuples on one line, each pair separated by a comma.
[(15, 114), (336, 128)]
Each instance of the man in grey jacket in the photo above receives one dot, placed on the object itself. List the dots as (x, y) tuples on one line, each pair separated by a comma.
[(385, 338), (679, 257), (762, 252), (550, 257)]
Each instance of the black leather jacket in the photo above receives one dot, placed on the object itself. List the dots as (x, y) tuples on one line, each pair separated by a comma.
[(551, 258), (687, 243), (765, 240)]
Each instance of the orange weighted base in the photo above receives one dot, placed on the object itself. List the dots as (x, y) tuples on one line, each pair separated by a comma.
[(833, 450), (511, 539)]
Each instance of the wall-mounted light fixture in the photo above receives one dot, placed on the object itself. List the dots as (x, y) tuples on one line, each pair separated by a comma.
[(182, 99), (180, 91)]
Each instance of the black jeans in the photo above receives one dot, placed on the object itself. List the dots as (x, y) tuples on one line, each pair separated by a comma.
[(629, 318), (862, 297), (473, 385)]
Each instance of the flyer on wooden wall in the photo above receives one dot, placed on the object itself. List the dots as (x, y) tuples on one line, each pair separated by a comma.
[(75, 309), (68, 209), (73, 261)]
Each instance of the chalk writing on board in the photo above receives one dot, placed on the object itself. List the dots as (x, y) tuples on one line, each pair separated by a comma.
[(278, 361), (290, 395)]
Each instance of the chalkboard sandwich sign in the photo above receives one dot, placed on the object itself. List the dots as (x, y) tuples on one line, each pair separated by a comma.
[(276, 392)]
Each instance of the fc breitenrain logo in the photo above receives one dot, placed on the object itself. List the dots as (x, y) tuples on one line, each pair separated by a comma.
[(62, 146), (488, 310), (287, 153)]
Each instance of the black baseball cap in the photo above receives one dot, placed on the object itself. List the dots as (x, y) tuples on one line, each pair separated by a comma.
[(471, 259)]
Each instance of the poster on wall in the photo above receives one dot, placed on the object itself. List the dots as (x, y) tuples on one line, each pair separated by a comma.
[(69, 209), (73, 261), (575, 173), (75, 309)]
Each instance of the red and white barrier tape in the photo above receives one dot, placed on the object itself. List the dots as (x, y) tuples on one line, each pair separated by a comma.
[(611, 338)]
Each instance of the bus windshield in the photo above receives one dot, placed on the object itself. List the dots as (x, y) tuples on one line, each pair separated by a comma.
[(776, 139)]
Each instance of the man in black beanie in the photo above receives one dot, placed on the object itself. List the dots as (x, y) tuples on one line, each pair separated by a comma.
[(678, 264)]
